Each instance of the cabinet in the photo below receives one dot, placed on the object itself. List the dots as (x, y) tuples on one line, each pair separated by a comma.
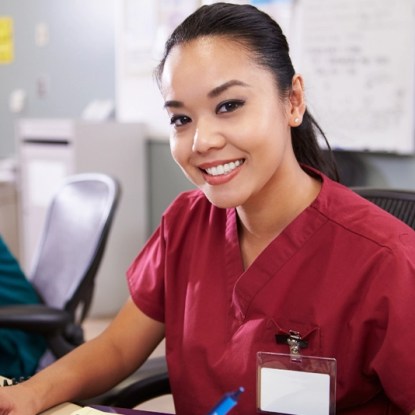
[(51, 149)]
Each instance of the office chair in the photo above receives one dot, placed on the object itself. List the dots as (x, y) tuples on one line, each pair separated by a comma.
[(351, 168), (150, 381), (400, 203), (71, 248)]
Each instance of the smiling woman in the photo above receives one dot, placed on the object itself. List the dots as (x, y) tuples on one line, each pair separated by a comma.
[(231, 126), (268, 247)]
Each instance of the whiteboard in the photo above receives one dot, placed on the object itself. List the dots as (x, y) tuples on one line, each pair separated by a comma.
[(357, 59)]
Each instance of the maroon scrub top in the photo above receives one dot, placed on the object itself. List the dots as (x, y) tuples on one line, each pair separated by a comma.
[(342, 274)]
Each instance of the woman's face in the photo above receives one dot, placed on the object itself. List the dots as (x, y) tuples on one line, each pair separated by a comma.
[(230, 130)]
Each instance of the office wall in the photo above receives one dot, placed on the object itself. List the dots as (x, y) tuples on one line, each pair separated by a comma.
[(78, 64), (75, 65), (163, 184), (389, 170)]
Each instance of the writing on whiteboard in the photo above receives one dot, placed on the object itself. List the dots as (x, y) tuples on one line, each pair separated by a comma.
[(357, 58)]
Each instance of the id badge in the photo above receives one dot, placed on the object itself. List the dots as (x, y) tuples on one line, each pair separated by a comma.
[(292, 384)]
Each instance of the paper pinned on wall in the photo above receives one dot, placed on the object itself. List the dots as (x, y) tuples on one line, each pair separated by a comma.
[(357, 58), (146, 27), (99, 110), (6, 40), (139, 33)]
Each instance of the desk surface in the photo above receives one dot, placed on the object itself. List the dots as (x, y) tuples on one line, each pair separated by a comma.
[(125, 411)]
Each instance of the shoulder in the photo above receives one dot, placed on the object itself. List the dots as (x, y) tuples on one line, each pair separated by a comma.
[(15, 288), (190, 215), (190, 199), (9, 267), (190, 205), (347, 210)]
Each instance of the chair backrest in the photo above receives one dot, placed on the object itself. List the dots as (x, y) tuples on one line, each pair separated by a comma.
[(73, 239), (400, 203)]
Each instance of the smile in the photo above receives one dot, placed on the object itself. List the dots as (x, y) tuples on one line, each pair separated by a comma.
[(222, 169)]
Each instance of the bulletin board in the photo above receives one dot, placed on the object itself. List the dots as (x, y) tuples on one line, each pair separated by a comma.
[(357, 58)]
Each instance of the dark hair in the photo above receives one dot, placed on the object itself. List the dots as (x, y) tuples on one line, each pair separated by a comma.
[(263, 37)]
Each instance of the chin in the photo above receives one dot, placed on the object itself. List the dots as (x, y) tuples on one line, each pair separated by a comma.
[(223, 201)]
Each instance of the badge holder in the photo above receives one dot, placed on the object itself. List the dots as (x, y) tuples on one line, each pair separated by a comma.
[(293, 384)]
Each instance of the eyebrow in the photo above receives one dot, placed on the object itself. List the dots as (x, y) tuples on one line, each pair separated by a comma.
[(211, 94), (222, 88), (173, 104)]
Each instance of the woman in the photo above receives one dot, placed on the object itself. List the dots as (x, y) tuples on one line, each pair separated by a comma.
[(267, 246)]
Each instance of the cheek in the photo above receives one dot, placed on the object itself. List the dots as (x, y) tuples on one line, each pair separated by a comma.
[(265, 119), (261, 132), (173, 147)]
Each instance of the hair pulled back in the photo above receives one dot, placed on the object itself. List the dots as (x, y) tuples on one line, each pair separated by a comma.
[(257, 32)]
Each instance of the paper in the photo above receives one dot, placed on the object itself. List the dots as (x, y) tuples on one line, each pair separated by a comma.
[(6, 40), (66, 408), (294, 392), (357, 58)]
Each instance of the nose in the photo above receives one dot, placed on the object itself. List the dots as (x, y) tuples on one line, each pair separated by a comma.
[(206, 137)]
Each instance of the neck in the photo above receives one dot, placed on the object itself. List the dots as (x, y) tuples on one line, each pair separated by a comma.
[(264, 218)]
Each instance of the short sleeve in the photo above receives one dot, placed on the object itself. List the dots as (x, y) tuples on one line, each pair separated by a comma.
[(15, 288), (19, 351), (145, 277), (394, 362)]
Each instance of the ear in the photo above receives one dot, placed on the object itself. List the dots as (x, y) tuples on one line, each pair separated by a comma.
[(297, 101)]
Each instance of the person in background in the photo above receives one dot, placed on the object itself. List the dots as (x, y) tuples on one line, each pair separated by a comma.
[(19, 351), (268, 245)]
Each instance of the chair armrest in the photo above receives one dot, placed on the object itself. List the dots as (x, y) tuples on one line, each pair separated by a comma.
[(141, 391), (33, 317)]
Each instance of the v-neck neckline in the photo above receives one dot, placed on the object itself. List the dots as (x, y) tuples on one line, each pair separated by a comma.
[(245, 284)]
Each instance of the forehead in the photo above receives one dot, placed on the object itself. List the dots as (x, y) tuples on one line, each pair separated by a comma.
[(208, 61)]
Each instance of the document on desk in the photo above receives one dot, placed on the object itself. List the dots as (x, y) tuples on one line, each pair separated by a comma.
[(66, 408)]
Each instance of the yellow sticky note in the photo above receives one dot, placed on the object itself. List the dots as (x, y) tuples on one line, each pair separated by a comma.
[(6, 40)]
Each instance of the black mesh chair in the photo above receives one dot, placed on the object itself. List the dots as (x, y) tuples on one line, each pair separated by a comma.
[(149, 382), (71, 248), (400, 203)]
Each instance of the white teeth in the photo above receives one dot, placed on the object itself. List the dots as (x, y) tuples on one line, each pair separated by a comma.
[(223, 168)]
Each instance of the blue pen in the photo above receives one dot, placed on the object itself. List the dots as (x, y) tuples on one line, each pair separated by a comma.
[(228, 401)]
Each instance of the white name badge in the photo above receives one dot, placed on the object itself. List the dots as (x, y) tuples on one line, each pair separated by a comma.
[(296, 385)]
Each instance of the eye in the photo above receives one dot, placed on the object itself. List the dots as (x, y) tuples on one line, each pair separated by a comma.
[(229, 106), (179, 120)]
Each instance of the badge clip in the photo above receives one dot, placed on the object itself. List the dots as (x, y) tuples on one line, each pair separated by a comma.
[(294, 341)]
